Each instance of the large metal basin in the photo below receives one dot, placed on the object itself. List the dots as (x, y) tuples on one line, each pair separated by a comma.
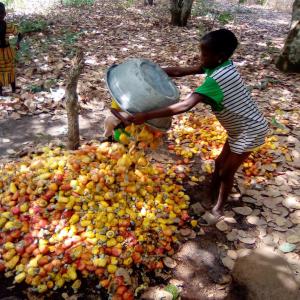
[(139, 85)]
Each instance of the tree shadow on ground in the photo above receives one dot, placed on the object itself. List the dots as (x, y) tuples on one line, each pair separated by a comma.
[(30, 131)]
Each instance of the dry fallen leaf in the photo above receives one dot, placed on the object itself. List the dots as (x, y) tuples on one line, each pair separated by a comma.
[(242, 210), (222, 226), (228, 262)]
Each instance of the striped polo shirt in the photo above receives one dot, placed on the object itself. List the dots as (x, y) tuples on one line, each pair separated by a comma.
[(231, 102)]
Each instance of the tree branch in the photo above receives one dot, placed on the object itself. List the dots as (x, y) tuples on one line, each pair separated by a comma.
[(72, 101)]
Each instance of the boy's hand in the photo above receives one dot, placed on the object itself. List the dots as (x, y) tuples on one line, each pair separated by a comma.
[(183, 71), (17, 46), (138, 118), (121, 116)]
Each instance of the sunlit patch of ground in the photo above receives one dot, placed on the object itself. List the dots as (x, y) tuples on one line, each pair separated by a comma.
[(27, 7)]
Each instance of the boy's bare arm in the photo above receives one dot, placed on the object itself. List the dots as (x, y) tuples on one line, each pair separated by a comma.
[(168, 111), (183, 71), (117, 114)]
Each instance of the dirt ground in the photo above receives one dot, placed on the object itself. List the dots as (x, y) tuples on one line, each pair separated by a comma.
[(110, 34)]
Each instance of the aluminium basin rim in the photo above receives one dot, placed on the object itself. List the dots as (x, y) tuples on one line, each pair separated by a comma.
[(125, 110)]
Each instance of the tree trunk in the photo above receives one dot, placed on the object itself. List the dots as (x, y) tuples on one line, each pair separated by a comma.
[(289, 59), (296, 11), (180, 11), (148, 2), (72, 101)]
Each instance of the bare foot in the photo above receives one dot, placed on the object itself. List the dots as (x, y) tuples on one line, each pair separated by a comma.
[(217, 212), (210, 219)]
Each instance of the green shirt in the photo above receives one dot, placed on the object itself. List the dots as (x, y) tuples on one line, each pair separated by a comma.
[(211, 89)]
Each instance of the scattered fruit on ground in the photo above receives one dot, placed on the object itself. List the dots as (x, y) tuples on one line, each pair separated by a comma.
[(195, 135)]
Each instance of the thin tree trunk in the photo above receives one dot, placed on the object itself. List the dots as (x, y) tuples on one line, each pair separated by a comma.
[(148, 2), (180, 11), (72, 101), (296, 12), (289, 59)]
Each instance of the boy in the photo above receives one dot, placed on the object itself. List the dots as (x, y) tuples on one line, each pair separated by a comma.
[(226, 93)]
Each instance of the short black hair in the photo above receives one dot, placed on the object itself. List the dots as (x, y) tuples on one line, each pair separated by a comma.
[(221, 41)]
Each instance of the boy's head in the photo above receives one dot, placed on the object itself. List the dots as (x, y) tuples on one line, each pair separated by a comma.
[(216, 47), (2, 11)]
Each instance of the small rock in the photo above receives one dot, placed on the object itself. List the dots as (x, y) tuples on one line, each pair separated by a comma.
[(225, 278), (230, 220), (243, 233), (271, 202), (256, 212), (291, 202), (197, 209), (295, 217), (228, 262), (169, 262), (283, 211), (10, 151), (280, 228), (235, 196), (253, 220), (231, 236), (232, 254), (268, 240), (242, 210), (271, 191), (248, 199), (222, 226), (243, 252), (185, 232), (193, 234), (268, 215), (293, 239), (280, 221), (229, 214), (201, 232), (287, 247), (292, 140), (247, 240)]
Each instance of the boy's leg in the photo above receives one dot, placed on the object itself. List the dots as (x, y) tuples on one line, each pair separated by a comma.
[(226, 176), (219, 162)]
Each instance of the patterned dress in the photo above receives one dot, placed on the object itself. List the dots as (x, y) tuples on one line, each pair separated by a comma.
[(234, 107), (7, 57)]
